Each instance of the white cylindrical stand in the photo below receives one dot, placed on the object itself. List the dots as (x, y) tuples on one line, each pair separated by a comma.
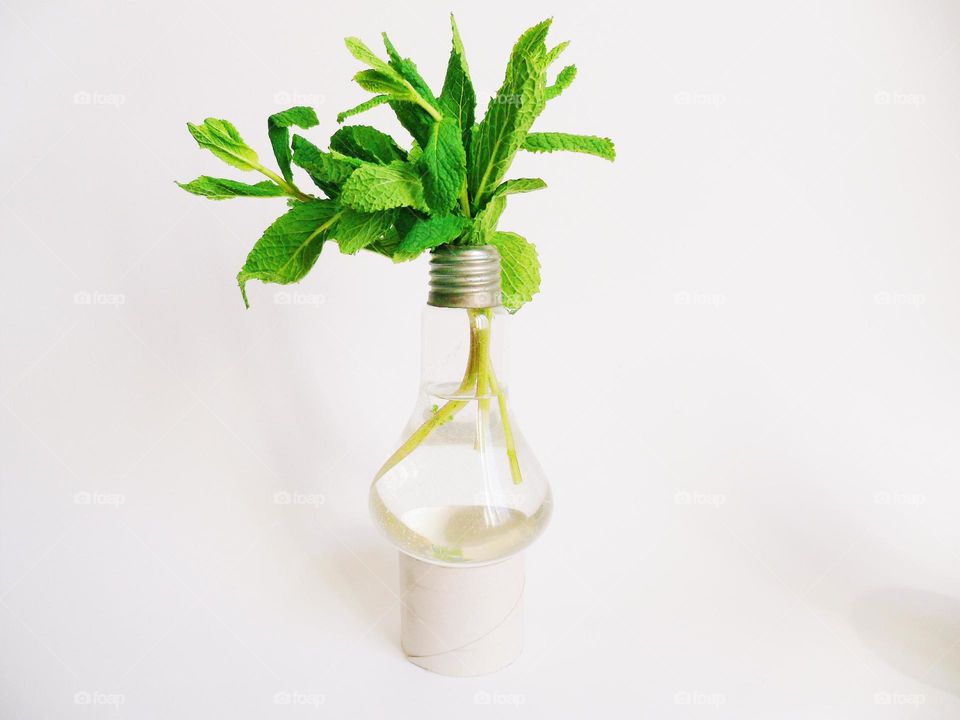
[(461, 620)]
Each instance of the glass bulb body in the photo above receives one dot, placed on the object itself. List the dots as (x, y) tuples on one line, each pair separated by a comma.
[(463, 487)]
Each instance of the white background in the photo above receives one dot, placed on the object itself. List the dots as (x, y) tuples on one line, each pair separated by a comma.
[(742, 375)]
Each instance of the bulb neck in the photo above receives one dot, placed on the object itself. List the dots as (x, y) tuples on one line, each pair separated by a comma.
[(464, 277)]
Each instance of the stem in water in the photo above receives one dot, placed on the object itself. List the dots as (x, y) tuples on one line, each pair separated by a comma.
[(479, 380)]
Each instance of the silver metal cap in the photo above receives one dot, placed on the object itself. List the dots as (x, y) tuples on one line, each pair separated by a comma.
[(465, 277)]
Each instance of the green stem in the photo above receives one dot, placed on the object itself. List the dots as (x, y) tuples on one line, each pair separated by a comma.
[(431, 110), (507, 430), (443, 414), (480, 319), (288, 188), (479, 378), (465, 200)]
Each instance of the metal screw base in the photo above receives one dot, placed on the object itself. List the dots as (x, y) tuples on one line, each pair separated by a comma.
[(465, 277)]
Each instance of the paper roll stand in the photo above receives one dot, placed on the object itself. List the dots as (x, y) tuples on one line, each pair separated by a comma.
[(461, 621)]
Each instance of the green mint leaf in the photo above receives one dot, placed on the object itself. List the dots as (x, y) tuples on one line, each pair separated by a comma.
[(416, 152), (411, 115), (376, 81), (556, 52), (363, 107), (328, 172), (366, 143), (406, 91), (443, 166), (387, 244), (382, 187), (406, 219), (519, 269), (520, 185), (485, 221), (223, 189), (351, 161), (290, 246), (222, 139), (458, 98), (356, 230), (278, 129), (392, 53), (365, 55), (510, 114), (407, 69), (564, 78), (430, 233), (553, 142), (413, 119)]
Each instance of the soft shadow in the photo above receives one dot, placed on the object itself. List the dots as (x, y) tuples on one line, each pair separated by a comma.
[(364, 573), (914, 631)]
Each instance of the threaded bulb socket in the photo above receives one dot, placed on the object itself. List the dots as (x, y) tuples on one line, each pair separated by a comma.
[(464, 277)]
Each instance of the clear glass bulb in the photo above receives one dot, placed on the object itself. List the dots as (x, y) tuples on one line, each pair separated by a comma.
[(463, 487)]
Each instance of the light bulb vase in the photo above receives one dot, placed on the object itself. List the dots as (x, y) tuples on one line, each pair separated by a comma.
[(462, 495)]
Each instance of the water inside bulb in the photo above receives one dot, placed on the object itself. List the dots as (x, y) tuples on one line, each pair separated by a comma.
[(468, 490)]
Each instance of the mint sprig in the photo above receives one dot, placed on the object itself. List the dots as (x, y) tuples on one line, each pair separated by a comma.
[(448, 188)]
